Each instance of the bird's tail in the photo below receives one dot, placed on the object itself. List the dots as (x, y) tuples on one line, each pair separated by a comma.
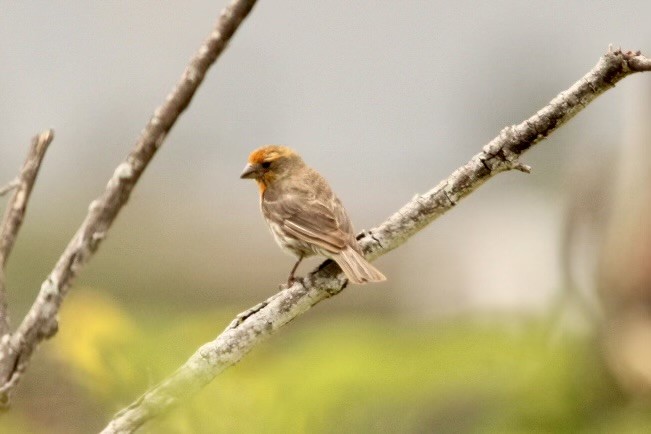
[(357, 269)]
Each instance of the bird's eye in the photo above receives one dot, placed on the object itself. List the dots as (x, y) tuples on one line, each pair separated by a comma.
[(266, 165)]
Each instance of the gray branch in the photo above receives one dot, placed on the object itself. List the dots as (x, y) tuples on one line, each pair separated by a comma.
[(11, 186), (15, 214), (40, 323), (253, 326)]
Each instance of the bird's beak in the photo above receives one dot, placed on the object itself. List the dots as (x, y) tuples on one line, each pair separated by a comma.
[(250, 171)]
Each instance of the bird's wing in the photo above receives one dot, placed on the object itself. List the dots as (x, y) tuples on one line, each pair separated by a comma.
[(311, 220)]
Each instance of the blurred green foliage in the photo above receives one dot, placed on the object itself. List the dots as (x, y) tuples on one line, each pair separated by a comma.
[(345, 374)]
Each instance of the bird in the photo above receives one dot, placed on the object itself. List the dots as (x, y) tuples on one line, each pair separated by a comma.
[(304, 215)]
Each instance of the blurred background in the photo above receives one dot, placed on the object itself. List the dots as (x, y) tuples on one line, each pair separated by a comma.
[(524, 309)]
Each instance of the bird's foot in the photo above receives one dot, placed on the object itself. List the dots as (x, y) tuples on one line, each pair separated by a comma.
[(290, 282)]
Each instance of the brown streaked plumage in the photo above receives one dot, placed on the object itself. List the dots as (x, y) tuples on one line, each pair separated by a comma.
[(304, 215)]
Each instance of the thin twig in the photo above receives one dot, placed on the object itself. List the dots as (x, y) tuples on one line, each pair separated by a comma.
[(15, 214), (254, 325), (40, 322), (7, 188)]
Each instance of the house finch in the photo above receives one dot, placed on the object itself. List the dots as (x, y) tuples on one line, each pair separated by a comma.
[(304, 215)]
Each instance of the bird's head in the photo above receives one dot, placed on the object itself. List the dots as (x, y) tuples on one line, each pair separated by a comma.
[(271, 163)]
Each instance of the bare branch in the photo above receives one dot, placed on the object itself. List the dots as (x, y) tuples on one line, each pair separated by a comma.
[(15, 214), (524, 168), (256, 324), (637, 62), (40, 322), (7, 188)]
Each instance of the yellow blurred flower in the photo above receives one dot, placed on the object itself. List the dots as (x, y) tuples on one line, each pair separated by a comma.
[(93, 333)]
